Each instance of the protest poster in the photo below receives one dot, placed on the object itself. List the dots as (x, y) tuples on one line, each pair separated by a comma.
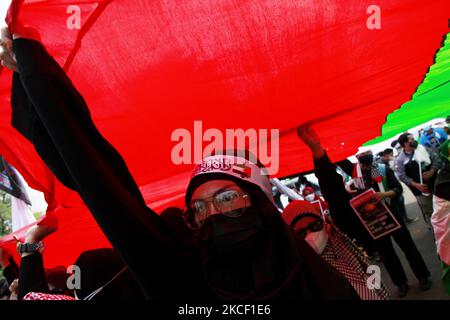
[(374, 214)]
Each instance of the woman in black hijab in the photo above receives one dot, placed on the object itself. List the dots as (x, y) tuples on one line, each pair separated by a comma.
[(244, 249)]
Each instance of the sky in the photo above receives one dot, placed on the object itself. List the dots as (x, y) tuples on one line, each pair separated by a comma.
[(4, 4)]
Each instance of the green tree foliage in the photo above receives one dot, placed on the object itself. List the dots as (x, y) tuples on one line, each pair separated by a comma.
[(5, 214)]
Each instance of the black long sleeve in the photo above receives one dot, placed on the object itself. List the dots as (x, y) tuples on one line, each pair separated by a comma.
[(11, 272), (338, 199), (393, 183), (64, 135), (32, 275)]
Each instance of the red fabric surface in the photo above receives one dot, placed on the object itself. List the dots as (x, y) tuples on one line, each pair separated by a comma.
[(147, 68)]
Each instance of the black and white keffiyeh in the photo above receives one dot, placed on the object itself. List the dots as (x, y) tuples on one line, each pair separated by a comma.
[(352, 262)]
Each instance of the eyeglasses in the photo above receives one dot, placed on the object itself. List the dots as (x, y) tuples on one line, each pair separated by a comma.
[(312, 227), (230, 203)]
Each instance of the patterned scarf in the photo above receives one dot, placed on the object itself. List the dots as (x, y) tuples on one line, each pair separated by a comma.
[(341, 252), (46, 296), (363, 179), (352, 262)]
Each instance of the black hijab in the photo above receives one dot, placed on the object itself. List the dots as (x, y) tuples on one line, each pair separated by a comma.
[(274, 264), (98, 267)]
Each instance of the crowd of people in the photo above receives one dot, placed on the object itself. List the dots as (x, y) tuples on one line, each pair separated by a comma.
[(233, 240)]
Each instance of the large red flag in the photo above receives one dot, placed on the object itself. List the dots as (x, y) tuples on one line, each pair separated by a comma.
[(148, 68)]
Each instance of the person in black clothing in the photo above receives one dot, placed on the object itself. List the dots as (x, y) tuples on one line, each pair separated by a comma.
[(99, 268), (387, 158), (55, 277), (10, 269), (173, 217), (346, 220), (57, 280), (4, 289), (379, 177), (417, 167), (52, 114), (303, 183), (102, 268)]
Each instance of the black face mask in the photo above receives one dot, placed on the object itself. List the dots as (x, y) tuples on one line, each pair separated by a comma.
[(414, 144), (366, 159), (223, 236)]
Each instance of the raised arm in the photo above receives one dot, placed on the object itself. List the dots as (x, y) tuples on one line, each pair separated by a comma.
[(331, 182), (32, 272), (65, 137), (332, 185)]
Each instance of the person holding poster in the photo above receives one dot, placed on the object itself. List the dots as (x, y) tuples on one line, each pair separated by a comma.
[(243, 250), (347, 220), (374, 214)]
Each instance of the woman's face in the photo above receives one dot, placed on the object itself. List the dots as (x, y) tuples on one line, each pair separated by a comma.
[(214, 192), (306, 225)]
